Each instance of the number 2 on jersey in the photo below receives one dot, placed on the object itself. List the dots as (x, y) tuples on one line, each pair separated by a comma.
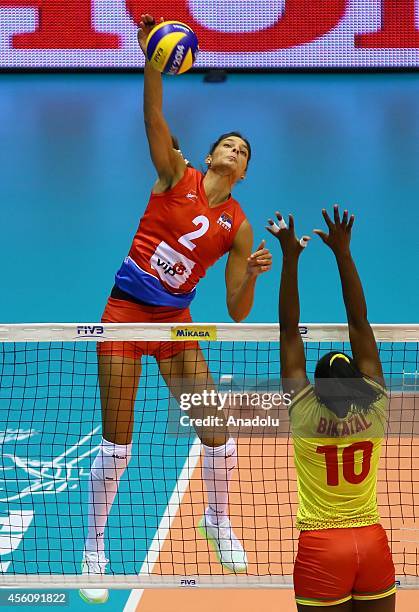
[(186, 239), (330, 453)]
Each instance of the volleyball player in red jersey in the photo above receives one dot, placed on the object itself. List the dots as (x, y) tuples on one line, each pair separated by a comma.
[(190, 222)]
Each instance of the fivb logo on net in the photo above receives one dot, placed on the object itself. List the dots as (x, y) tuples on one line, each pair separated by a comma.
[(189, 582), (90, 330)]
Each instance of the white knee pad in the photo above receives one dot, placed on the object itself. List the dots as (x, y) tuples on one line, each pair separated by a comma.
[(111, 461)]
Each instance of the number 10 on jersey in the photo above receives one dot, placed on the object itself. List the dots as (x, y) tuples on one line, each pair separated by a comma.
[(344, 465)]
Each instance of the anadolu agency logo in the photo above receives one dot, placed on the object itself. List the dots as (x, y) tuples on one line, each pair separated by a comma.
[(197, 332)]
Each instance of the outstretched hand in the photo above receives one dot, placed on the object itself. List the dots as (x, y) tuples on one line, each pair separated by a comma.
[(147, 23), (290, 244), (339, 237), (260, 261)]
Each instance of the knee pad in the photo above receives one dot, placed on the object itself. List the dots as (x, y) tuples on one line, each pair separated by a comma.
[(111, 461)]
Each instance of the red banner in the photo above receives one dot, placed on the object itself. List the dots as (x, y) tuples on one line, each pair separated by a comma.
[(290, 36)]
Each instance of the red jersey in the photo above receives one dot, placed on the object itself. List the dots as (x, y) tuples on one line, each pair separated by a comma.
[(180, 236)]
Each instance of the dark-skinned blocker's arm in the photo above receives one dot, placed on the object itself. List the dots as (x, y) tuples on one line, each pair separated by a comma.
[(292, 356), (363, 344), (169, 164)]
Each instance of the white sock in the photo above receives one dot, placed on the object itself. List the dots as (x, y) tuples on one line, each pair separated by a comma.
[(218, 465), (107, 469)]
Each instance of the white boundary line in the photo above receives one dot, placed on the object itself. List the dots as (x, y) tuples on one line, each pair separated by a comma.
[(166, 521)]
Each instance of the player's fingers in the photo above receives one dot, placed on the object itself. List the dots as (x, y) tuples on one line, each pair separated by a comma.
[(351, 222), (322, 234), (345, 217), (304, 240), (254, 260), (272, 229), (327, 219), (259, 250), (258, 269), (281, 221), (291, 222), (261, 246), (336, 215)]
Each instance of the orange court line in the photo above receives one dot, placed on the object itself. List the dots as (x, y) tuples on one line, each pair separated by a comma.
[(263, 503), (204, 600)]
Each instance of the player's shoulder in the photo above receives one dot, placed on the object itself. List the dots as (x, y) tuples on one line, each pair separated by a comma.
[(191, 174), (378, 386), (234, 202), (189, 179), (241, 222), (194, 172), (303, 396), (305, 412), (380, 406)]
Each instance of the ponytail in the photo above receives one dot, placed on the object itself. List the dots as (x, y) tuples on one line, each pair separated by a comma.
[(341, 387)]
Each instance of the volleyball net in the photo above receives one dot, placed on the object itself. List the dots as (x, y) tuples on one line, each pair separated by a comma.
[(51, 430)]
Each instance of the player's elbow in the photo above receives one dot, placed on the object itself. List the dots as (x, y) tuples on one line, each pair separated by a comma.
[(236, 314), (237, 317)]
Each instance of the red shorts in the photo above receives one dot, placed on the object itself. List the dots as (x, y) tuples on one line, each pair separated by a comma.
[(336, 565), (123, 311)]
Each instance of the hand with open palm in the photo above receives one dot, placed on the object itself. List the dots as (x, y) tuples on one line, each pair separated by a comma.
[(339, 237)]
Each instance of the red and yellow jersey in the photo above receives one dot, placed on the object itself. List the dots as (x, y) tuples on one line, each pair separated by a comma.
[(180, 236), (336, 462)]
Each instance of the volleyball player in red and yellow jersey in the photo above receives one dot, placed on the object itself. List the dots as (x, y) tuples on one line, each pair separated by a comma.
[(344, 562), (190, 222)]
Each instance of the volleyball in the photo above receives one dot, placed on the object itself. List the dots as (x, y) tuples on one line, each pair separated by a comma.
[(172, 47)]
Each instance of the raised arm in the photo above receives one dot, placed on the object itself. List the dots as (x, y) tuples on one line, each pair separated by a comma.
[(363, 344), (293, 361), (169, 164), (242, 269)]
